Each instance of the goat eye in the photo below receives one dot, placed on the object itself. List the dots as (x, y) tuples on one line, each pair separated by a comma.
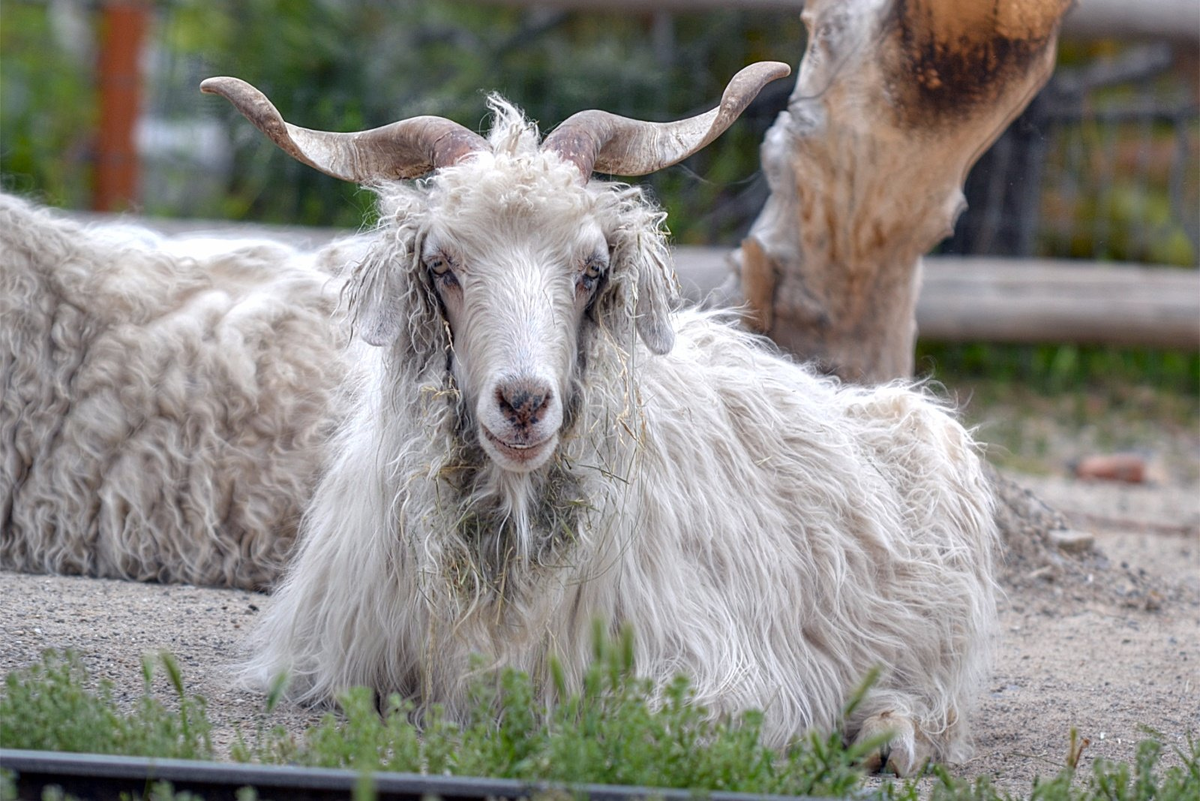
[(593, 270), (439, 268)]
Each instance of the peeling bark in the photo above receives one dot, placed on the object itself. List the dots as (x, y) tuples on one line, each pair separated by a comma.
[(895, 100)]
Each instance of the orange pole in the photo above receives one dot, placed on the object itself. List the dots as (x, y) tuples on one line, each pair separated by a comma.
[(124, 27)]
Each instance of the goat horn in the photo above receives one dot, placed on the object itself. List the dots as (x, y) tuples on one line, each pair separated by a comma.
[(406, 149), (598, 141)]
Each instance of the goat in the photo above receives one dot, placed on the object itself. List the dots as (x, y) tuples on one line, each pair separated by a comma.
[(536, 440), (165, 404)]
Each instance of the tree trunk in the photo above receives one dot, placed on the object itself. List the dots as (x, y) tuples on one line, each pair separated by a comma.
[(894, 101)]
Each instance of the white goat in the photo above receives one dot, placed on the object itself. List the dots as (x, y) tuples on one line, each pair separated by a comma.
[(516, 463), (163, 416)]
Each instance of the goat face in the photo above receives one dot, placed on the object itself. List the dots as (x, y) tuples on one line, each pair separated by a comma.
[(506, 269), (513, 243), (525, 263), (514, 299)]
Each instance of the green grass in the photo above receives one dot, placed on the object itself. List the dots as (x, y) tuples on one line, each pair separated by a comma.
[(1051, 369), (617, 730), (1145, 780), (49, 707), (1038, 407)]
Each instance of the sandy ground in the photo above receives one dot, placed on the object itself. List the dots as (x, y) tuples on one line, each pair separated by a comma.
[(1113, 657), (1110, 644)]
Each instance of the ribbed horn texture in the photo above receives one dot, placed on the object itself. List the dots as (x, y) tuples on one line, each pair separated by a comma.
[(597, 141), (406, 149)]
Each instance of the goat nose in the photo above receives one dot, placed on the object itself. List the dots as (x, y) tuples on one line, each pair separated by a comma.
[(522, 400)]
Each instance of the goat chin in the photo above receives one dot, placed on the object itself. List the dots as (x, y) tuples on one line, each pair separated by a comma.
[(518, 458)]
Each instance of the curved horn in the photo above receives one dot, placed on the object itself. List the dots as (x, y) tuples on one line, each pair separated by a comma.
[(406, 149), (598, 141)]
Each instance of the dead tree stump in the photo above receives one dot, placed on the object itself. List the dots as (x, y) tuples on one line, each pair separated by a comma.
[(894, 102)]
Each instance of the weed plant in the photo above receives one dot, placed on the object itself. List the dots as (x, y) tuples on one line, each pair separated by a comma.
[(48, 707), (618, 729)]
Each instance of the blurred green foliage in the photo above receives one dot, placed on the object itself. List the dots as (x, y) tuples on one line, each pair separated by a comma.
[(1049, 369), (1139, 226), (1039, 406), (353, 64), (361, 63), (1128, 190), (47, 110)]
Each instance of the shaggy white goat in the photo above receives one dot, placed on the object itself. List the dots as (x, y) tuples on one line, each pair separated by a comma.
[(163, 416), (537, 442)]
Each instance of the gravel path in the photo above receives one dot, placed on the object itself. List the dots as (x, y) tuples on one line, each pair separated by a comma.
[(1111, 648)]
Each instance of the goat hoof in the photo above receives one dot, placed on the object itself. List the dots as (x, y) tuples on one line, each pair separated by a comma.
[(905, 752)]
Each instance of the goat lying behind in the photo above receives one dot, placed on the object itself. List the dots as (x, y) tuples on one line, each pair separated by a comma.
[(166, 403)]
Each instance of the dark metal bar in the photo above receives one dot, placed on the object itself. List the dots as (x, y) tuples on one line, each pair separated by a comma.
[(101, 777)]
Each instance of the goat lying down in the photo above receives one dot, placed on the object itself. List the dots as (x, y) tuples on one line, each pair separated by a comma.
[(535, 441), (525, 439), (164, 404)]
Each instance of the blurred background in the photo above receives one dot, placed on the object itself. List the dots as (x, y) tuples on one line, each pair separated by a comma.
[(1104, 165), (100, 110)]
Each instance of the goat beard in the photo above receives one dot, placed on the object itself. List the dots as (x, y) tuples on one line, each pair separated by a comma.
[(506, 525)]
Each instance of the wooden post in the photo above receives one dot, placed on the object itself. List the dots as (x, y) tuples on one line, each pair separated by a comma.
[(123, 29), (894, 101)]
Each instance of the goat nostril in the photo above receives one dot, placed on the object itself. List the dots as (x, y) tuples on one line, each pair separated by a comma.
[(521, 400)]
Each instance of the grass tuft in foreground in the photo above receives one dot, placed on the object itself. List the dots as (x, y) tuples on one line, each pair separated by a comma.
[(616, 730), (1146, 780), (48, 707)]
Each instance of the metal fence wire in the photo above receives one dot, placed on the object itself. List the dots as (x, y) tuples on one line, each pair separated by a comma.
[(1104, 164)]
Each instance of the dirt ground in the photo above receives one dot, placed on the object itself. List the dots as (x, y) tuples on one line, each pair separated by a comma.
[(1107, 642), (1109, 646)]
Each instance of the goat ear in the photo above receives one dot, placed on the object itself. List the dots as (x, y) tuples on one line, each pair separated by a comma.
[(379, 293), (379, 314), (655, 295), (656, 291), (391, 303)]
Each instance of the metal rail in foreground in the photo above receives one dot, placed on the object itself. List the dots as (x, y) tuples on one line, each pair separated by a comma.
[(101, 778)]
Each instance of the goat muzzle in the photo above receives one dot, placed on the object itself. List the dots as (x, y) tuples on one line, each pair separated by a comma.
[(519, 421), (522, 401)]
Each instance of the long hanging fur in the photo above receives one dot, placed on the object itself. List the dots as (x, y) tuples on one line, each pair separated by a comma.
[(164, 416), (769, 532)]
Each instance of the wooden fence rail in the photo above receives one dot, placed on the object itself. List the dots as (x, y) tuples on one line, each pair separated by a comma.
[(984, 299), (995, 300), (962, 299)]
